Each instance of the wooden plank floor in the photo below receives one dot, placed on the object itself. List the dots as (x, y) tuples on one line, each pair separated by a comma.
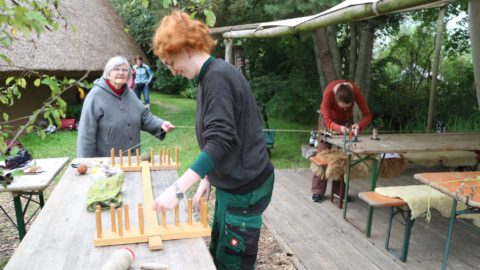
[(320, 238)]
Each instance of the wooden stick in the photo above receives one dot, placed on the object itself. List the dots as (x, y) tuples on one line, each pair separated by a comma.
[(190, 211), (137, 152), (168, 156), (141, 224), (164, 150), (112, 217), (112, 155), (164, 219), (120, 222), (98, 217), (129, 157), (120, 154), (160, 155), (204, 212), (127, 217), (152, 157), (177, 215), (177, 157)]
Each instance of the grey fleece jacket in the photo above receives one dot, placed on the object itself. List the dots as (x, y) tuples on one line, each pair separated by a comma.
[(229, 129), (109, 120)]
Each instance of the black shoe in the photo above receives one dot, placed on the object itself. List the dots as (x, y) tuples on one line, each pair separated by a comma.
[(316, 197)]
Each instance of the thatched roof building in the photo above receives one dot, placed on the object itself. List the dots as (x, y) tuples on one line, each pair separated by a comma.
[(94, 33), (99, 34)]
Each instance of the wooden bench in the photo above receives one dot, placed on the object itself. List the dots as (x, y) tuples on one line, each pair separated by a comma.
[(397, 206), (338, 186)]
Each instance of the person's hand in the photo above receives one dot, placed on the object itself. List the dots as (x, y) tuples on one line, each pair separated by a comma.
[(202, 191), (167, 126), (344, 130), (166, 201), (355, 129)]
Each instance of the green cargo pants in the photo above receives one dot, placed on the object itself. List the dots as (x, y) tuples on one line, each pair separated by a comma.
[(236, 226)]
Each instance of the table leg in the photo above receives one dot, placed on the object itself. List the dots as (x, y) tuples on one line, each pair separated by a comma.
[(19, 214), (42, 200), (373, 184), (347, 185), (449, 235)]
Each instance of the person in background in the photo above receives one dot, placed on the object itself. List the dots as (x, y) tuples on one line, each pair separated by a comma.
[(143, 77), (229, 133), (337, 114), (112, 116)]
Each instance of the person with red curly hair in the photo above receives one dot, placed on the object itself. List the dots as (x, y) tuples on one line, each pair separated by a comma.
[(234, 158)]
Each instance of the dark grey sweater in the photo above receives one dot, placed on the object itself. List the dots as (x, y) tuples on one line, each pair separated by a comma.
[(229, 129), (109, 120)]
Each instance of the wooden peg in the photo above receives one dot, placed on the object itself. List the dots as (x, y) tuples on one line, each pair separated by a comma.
[(164, 219), (112, 217), (160, 156), (164, 150), (112, 155), (129, 157), (127, 217), (137, 153), (98, 218), (141, 224), (177, 157), (120, 222), (190, 211), (120, 154), (168, 156), (177, 215), (204, 212), (152, 157)]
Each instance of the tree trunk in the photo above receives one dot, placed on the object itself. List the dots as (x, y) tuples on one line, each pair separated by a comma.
[(325, 54), (352, 61), (333, 45), (436, 64), (474, 26), (318, 61)]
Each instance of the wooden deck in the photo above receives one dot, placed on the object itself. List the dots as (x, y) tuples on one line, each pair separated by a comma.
[(319, 238)]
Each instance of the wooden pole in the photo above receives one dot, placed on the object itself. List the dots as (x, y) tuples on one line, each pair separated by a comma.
[(137, 153), (190, 211), (141, 224), (127, 217), (120, 222), (203, 209), (129, 157), (98, 218), (168, 156), (164, 219), (152, 157), (112, 217), (160, 156), (120, 154), (112, 155), (177, 215), (177, 157)]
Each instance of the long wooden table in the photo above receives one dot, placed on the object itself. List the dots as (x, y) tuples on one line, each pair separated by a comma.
[(461, 186), (63, 233), (368, 149), (29, 185)]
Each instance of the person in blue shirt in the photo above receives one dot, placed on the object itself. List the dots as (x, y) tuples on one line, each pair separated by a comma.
[(143, 77)]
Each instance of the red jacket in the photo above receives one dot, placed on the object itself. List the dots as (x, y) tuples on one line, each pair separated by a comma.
[(333, 114)]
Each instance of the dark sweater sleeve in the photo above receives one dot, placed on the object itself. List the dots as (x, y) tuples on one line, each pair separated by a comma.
[(219, 118)]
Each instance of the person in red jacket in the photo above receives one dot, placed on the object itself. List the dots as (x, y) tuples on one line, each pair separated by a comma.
[(337, 115)]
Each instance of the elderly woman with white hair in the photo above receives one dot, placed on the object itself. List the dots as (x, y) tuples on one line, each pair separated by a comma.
[(112, 116)]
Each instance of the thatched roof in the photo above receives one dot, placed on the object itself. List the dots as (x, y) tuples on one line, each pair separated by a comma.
[(100, 34)]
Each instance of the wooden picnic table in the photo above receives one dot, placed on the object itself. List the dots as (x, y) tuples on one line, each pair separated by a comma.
[(368, 149), (461, 186), (63, 233), (28, 185)]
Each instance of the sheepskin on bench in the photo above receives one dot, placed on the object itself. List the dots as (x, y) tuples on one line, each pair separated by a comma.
[(417, 197), (449, 159), (337, 162)]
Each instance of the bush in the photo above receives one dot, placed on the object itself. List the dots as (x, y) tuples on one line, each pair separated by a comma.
[(166, 83), (74, 111)]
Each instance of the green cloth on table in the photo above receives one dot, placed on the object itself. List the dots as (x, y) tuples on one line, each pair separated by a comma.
[(105, 192)]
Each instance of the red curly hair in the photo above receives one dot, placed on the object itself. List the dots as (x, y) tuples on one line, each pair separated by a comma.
[(178, 32)]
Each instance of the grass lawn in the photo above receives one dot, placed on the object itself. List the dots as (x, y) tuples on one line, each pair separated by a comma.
[(181, 112)]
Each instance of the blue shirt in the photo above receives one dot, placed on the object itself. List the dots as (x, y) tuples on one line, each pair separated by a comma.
[(143, 75)]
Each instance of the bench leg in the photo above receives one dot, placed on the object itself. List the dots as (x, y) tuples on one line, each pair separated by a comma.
[(406, 234), (338, 192)]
